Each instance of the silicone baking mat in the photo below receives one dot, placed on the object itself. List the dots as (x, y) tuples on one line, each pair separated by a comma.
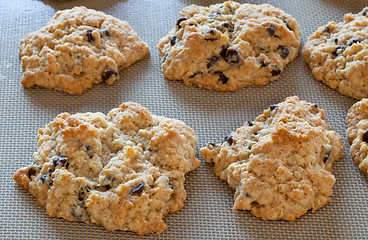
[(207, 213)]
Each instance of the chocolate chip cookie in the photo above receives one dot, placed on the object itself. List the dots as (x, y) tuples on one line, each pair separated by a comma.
[(79, 47), (357, 133), (228, 46), (337, 55), (124, 171), (280, 164)]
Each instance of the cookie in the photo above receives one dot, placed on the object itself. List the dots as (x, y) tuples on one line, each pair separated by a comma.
[(228, 46), (78, 48), (280, 164), (124, 170), (337, 55), (357, 133)]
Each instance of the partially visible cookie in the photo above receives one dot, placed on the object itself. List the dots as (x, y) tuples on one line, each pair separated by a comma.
[(280, 164), (228, 46), (124, 171), (357, 133), (79, 47), (337, 55)]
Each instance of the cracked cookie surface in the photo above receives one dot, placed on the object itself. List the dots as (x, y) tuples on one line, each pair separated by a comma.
[(124, 171), (337, 55), (280, 164), (228, 46), (357, 133), (78, 48)]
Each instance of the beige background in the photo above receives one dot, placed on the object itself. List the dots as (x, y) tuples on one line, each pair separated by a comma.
[(207, 213)]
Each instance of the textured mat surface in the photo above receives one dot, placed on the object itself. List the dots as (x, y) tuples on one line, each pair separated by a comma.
[(208, 210)]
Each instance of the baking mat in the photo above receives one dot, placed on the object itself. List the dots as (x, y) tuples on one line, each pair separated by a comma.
[(208, 210)]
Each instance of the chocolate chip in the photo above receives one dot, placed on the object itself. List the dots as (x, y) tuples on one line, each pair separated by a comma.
[(247, 195), (336, 40), (212, 61), (179, 21), (249, 123), (354, 40), (172, 40), (89, 35), (283, 51), (43, 178), (212, 33), (271, 29), (365, 136), (276, 69), (232, 56), (287, 25), (262, 63), (273, 106), (89, 150), (222, 78), (60, 161), (171, 185), (228, 139), (327, 155), (276, 72), (223, 51), (364, 12), (108, 187), (137, 190), (338, 50), (78, 211), (225, 26), (104, 32), (215, 15), (107, 74), (195, 74), (326, 30), (315, 105), (31, 172)]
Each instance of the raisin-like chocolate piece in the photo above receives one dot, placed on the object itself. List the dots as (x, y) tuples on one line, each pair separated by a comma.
[(211, 33), (276, 69), (195, 74), (232, 56), (262, 63), (43, 178), (354, 40), (59, 161), (79, 211), (287, 25), (338, 50), (179, 21), (89, 35), (365, 136), (336, 40), (225, 26), (271, 29), (108, 187), (137, 190), (250, 124), (273, 106), (247, 195), (31, 172), (212, 61), (173, 40), (223, 51), (326, 30), (315, 105), (107, 74), (229, 139), (283, 51), (327, 155), (89, 150), (215, 15), (222, 78)]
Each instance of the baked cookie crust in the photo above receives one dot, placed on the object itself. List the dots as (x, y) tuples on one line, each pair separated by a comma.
[(280, 164), (78, 48), (337, 55), (124, 171), (228, 46)]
